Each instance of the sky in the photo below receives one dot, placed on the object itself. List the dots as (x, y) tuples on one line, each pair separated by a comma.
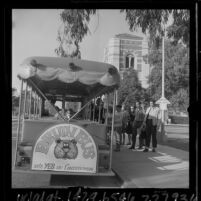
[(34, 33)]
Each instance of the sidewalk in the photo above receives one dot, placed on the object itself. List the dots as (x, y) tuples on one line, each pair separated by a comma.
[(166, 168)]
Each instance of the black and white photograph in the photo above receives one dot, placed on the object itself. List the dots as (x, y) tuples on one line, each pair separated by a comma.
[(100, 98)]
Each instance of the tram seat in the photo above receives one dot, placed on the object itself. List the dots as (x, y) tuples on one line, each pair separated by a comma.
[(32, 129)]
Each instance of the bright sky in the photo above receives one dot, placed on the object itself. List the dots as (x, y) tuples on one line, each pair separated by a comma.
[(35, 34)]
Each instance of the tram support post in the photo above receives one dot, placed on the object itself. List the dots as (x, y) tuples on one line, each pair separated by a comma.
[(107, 108), (94, 110), (34, 99), (19, 118), (40, 105), (30, 103), (99, 111), (37, 107), (112, 130), (25, 100)]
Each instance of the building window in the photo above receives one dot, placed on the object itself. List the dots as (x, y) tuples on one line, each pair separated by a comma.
[(129, 61)]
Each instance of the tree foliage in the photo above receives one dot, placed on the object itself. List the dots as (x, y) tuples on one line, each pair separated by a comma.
[(176, 73), (130, 89), (15, 98), (180, 29), (74, 28), (154, 21)]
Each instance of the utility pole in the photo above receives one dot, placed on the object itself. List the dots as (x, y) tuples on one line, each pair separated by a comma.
[(163, 102)]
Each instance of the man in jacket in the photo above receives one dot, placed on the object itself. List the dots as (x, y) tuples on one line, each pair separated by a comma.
[(139, 117), (125, 119)]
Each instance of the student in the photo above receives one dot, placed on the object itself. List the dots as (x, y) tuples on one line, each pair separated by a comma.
[(151, 122), (142, 135), (130, 123), (125, 118), (139, 117)]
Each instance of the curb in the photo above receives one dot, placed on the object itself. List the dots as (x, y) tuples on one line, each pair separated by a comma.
[(184, 125), (118, 176), (122, 182)]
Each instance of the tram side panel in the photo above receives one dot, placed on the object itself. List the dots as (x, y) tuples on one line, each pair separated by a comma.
[(32, 130)]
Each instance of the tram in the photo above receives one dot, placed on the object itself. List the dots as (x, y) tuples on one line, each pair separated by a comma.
[(56, 144)]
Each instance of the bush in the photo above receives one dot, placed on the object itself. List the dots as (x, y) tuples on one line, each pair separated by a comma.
[(179, 119)]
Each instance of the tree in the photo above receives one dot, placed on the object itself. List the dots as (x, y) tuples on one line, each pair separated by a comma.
[(15, 98), (154, 20), (74, 28), (176, 74), (179, 30), (130, 89), (180, 100)]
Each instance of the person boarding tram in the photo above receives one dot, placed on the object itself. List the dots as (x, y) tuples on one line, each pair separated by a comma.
[(117, 126)]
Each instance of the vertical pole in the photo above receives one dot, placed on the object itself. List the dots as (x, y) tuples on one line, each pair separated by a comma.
[(63, 103), (30, 103), (106, 120), (34, 98), (40, 109), (112, 131), (116, 99), (99, 112), (37, 106), (90, 111), (19, 118), (163, 63), (25, 100), (94, 110)]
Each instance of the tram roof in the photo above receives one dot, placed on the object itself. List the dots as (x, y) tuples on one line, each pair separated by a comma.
[(73, 78)]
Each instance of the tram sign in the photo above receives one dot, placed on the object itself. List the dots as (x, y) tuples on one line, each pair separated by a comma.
[(65, 147)]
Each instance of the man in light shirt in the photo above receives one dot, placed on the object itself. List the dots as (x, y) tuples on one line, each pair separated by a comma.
[(151, 121)]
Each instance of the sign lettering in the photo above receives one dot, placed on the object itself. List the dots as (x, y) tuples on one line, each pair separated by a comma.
[(65, 147)]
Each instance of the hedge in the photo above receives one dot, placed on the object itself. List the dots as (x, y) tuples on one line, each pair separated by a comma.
[(179, 119)]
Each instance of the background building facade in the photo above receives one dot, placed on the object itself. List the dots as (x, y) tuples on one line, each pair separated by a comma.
[(126, 51)]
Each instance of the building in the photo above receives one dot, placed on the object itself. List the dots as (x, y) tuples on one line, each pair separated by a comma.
[(126, 51)]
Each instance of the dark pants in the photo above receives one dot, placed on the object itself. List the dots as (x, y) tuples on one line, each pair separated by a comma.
[(142, 138), (136, 125), (150, 133)]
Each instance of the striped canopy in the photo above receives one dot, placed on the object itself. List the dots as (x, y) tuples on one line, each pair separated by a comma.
[(69, 77)]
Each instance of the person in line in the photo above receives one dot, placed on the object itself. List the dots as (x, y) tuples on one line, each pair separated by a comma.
[(151, 121), (139, 117), (130, 123), (125, 118), (142, 135)]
